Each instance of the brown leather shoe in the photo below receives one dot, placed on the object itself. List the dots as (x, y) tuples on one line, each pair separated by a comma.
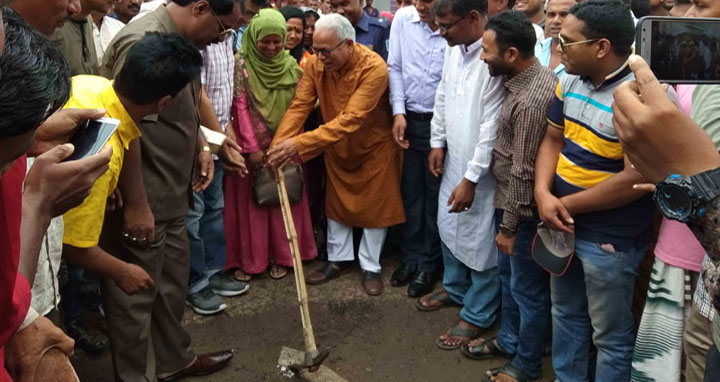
[(331, 270), (372, 283), (204, 364)]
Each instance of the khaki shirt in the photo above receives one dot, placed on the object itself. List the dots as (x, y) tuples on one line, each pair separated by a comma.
[(169, 140), (75, 41)]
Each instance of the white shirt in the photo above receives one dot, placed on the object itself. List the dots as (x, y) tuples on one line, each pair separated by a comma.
[(539, 34), (108, 29), (46, 290), (467, 104)]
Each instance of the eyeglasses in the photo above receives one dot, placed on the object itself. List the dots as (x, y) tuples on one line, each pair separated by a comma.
[(564, 44), (327, 52), (445, 28), (225, 32)]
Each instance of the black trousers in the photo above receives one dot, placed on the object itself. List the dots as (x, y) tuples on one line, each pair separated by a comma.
[(421, 241)]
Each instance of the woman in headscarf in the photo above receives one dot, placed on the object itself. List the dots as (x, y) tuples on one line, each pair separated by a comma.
[(295, 20), (266, 78)]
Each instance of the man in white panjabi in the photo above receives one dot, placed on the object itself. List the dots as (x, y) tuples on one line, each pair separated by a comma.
[(463, 131)]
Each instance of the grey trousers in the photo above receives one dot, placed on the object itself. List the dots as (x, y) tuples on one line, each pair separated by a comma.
[(145, 331)]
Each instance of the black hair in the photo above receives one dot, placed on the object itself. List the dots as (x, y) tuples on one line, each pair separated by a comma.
[(220, 7), (682, 2), (156, 66), (34, 77), (511, 4), (608, 19), (291, 12), (513, 29), (640, 8), (459, 7)]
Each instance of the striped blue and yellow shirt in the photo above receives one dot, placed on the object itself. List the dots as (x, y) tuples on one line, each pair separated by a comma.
[(592, 154)]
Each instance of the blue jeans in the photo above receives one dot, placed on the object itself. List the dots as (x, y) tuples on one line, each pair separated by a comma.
[(477, 292), (594, 297), (525, 301), (712, 364), (206, 233)]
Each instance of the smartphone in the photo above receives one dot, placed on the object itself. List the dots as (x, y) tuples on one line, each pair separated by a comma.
[(680, 50), (92, 136)]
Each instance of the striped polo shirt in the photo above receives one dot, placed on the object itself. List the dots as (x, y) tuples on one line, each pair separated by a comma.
[(592, 154)]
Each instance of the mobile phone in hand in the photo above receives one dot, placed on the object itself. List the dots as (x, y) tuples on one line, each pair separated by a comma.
[(92, 136), (680, 50)]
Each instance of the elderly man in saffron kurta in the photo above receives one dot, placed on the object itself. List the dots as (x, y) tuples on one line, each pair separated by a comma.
[(363, 162)]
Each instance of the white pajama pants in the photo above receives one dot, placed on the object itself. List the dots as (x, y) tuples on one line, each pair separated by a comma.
[(340, 245)]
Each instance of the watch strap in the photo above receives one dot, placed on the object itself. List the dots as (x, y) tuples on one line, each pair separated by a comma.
[(707, 184)]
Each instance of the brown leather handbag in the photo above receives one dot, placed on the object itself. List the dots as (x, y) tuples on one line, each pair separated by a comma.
[(265, 189)]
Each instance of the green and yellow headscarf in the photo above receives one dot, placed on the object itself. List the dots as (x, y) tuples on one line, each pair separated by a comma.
[(272, 81)]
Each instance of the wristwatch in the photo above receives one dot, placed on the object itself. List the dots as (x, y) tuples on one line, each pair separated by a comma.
[(206, 149), (680, 198)]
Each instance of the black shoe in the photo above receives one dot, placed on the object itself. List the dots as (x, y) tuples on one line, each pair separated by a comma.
[(402, 275), (421, 285), (85, 341), (329, 271)]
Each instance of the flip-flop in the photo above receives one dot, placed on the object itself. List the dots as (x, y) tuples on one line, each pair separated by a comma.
[(441, 297), (283, 272), (457, 331), (511, 371), (477, 352), (243, 279)]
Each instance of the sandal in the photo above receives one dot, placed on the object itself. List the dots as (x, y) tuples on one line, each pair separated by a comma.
[(241, 276), (478, 352), (441, 297), (457, 331), (277, 272), (511, 371)]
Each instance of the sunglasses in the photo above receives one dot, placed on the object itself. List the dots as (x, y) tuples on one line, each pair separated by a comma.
[(564, 44)]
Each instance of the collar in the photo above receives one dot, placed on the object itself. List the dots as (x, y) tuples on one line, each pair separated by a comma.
[(415, 15), (364, 23), (166, 20), (613, 77), (520, 82), (546, 44), (84, 20), (416, 19), (128, 130), (470, 49)]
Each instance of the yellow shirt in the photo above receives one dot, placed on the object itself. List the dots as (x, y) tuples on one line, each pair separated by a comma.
[(83, 224)]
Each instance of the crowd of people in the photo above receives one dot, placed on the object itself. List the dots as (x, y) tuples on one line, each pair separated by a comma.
[(509, 150)]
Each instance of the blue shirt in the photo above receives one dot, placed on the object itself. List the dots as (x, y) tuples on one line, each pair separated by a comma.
[(374, 34), (238, 37), (415, 63), (543, 52)]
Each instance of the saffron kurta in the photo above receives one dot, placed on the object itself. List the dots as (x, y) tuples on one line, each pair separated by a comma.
[(363, 162)]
